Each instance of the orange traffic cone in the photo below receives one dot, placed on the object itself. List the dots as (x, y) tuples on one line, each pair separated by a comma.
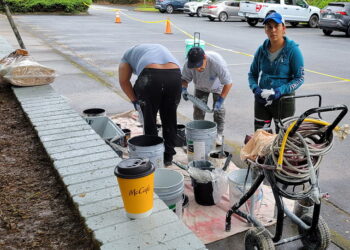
[(117, 17), (167, 27)]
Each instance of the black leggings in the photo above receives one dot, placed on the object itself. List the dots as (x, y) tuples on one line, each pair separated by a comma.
[(160, 90), (264, 115)]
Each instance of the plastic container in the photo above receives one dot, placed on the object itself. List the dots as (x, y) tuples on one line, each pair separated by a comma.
[(190, 43), (180, 139), (236, 189), (169, 186), (216, 158), (94, 112), (105, 127), (200, 139), (147, 146)]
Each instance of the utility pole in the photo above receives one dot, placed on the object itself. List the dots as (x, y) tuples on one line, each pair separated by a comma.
[(12, 23)]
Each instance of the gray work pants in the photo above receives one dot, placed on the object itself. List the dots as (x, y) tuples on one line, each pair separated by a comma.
[(219, 116)]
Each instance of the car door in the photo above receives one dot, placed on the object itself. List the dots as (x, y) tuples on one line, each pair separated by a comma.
[(288, 10), (301, 10), (234, 8)]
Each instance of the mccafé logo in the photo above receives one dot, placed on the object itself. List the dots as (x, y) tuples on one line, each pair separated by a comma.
[(141, 190)]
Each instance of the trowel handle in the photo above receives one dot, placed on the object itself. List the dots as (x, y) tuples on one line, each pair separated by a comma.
[(184, 167), (227, 162)]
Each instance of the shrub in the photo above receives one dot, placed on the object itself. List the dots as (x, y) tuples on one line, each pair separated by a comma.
[(322, 3), (68, 6)]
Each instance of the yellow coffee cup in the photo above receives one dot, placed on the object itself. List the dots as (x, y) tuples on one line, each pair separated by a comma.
[(136, 183)]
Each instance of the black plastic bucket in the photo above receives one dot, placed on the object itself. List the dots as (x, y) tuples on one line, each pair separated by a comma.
[(94, 112), (203, 192), (180, 139)]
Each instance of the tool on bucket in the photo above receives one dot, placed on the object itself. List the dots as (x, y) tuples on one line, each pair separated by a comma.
[(199, 103), (292, 169)]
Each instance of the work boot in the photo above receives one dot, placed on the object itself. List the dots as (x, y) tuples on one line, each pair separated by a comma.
[(219, 140), (167, 160)]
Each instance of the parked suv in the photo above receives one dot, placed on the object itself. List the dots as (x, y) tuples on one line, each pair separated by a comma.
[(335, 17), (170, 6), (195, 7)]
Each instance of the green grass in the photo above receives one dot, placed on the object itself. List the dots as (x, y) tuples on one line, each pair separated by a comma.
[(145, 7), (67, 6)]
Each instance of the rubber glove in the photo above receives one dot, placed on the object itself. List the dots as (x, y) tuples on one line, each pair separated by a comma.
[(136, 104), (275, 96), (184, 93), (257, 94), (219, 103)]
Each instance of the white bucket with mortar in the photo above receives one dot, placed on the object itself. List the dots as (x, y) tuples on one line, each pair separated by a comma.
[(217, 158)]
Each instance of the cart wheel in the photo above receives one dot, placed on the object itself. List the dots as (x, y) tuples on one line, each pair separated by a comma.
[(258, 239), (318, 239)]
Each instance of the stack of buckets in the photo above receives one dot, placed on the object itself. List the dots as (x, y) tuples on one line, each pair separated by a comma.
[(169, 186)]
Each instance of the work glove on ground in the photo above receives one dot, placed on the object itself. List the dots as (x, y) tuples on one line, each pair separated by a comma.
[(219, 103), (257, 94), (184, 93)]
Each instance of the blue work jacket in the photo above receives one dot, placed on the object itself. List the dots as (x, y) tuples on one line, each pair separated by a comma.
[(285, 73)]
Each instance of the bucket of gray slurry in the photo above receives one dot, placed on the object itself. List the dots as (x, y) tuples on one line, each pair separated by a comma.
[(147, 146)]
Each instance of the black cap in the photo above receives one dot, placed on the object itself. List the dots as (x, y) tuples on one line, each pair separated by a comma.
[(195, 57)]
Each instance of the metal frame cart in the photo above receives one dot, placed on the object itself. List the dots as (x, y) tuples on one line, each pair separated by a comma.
[(292, 169)]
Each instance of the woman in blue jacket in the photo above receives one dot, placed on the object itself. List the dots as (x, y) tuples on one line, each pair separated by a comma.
[(280, 66)]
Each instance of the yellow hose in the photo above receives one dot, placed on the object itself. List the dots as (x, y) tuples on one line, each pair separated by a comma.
[(284, 140)]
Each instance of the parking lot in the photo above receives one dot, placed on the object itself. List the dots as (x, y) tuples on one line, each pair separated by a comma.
[(95, 44)]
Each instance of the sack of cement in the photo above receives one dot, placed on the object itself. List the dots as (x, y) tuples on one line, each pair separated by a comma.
[(20, 69)]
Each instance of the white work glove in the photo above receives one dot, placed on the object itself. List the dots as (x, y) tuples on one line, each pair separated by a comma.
[(266, 93)]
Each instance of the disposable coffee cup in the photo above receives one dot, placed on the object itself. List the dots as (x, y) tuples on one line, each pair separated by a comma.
[(136, 183)]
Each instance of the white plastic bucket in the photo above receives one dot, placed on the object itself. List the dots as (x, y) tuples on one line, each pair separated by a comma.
[(168, 185), (147, 146), (236, 190), (200, 139)]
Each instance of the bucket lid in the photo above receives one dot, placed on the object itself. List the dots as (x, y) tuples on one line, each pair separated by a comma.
[(134, 168)]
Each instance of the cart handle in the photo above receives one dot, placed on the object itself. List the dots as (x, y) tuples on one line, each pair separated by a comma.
[(283, 98), (198, 36), (342, 107)]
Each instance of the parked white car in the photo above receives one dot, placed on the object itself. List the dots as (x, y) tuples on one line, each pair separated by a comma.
[(195, 7), (293, 11)]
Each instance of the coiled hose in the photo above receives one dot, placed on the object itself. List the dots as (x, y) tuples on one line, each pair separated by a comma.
[(290, 155)]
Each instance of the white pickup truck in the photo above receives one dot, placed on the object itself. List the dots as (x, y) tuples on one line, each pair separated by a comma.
[(293, 11)]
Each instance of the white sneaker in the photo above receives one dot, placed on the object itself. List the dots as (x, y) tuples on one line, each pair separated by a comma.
[(219, 140)]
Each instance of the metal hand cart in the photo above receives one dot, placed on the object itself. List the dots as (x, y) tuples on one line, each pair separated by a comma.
[(297, 143)]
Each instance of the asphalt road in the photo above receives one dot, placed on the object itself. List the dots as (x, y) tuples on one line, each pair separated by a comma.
[(95, 44)]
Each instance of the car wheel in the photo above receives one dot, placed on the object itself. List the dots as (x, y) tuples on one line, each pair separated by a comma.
[(313, 22), (162, 11), (294, 24), (252, 21), (223, 17), (169, 9), (327, 32), (191, 14), (199, 12), (211, 18), (348, 31)]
